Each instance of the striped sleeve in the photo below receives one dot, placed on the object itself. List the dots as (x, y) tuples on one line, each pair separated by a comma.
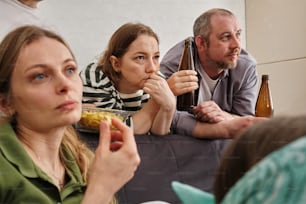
[(98, 89)]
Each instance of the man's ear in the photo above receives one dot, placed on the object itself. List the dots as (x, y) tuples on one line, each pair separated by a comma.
[(115, 63), (200, 42)]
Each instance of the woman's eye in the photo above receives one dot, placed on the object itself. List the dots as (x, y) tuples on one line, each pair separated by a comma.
[(40, 77), (140, 57), (156, 57), (71, 70)]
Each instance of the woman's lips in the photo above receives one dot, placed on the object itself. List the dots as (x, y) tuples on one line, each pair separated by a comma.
[(67, 105)]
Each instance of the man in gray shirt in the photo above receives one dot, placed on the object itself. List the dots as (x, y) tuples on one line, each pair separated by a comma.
[(225, 79)]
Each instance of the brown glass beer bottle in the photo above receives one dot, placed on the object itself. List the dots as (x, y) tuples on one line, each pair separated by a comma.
[(185, 102), (264, 104)]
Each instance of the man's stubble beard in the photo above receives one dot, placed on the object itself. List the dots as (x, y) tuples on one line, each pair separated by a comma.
[(220, 64)]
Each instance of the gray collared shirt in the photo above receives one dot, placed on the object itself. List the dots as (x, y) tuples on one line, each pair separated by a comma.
[(236, 91)]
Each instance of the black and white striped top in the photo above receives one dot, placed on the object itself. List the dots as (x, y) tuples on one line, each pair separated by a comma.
[(99, 90)]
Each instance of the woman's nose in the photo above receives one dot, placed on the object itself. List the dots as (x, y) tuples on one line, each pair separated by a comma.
[(63, 84), (152, 66)]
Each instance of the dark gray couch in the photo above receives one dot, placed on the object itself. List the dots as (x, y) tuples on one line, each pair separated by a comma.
[(166, 159)]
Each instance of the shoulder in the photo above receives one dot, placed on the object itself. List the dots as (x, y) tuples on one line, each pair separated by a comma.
[(246, 65), (92, 71), (171, 59), (246, 59), (91, 67), (93, 76), (245, 70), (174, 52)]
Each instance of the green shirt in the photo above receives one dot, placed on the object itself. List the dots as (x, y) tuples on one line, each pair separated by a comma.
[(22, 182)]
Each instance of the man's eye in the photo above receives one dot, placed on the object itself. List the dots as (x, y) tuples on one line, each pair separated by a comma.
[(224, 38)]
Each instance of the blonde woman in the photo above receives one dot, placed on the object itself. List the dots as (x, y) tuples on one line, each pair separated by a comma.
[(41, 158)]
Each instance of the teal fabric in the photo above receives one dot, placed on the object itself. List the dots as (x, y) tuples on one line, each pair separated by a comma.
[(22, 182), (191, 195), (280, 178)]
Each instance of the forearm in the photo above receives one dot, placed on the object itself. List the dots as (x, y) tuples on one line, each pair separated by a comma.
[(210, 131), (225, 129), (231, 115), (143, 119), (162, 121), (98, 194), (186, 124)]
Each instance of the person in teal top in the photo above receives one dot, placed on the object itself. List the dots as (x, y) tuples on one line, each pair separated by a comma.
[(41, 158), (266, 164)]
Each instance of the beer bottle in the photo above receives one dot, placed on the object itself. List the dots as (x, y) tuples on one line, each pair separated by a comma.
[(264, 104), (185, 102)]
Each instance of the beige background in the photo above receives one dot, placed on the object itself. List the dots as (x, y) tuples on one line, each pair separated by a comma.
[(276, 36), (88, 24)]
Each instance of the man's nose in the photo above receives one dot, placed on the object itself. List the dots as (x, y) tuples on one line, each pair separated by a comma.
[(236, 42)]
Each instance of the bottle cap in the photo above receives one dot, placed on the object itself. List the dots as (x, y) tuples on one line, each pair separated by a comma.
[(265, 77)]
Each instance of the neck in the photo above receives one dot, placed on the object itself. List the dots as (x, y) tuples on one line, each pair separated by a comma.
[(51, 164), (126, 88), (209, 66), (44, 150), (43, 142), (49, 156), (212, 71)]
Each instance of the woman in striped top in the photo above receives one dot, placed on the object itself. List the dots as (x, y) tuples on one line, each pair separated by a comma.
[(126, 78)]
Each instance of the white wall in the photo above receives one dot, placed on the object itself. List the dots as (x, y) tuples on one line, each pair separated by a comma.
[(276, 36), (88, 24)]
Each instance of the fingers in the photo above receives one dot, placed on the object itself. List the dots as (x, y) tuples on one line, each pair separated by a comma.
[(110, 139), (183, 81), (114, 146), (155, 85), (119, 125), (211, 117), (116, 136), (185, 73), (104, 136), (155, 82), (125, 131), (158, 90), (210, 112), (185, 76)]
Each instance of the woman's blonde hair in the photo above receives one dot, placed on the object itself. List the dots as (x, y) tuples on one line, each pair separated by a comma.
[(10, 49)]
